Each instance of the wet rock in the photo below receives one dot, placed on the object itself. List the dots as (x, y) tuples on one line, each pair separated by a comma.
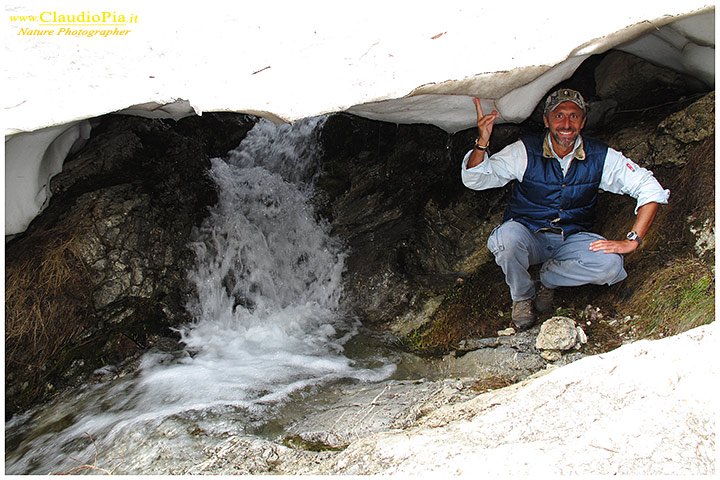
[(248, 455), (509, 357), (500, 362), (361, 411)]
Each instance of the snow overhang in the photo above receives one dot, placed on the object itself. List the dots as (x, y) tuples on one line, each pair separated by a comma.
[(390, 61)]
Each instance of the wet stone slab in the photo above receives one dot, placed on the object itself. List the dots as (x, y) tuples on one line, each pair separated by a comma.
[(367, 409)]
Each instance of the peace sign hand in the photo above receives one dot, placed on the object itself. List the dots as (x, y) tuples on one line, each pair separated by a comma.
[(485, 123)]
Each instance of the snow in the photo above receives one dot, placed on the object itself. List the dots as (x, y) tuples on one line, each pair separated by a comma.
[(31, 160), (394, 61)]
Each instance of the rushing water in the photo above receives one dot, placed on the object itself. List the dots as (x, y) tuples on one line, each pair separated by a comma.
[(268, 329)]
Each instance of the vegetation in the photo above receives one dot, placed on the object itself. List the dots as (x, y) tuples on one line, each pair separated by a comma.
[(476, 307), (47, 290), (676, 298)]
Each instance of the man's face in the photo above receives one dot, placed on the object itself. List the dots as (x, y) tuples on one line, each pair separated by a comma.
[(565, 123)]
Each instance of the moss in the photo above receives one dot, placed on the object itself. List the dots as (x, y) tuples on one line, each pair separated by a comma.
[(476, 307), (298, 443), (487, 384), (674, 299)]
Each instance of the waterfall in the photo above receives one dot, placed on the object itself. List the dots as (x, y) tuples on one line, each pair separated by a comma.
[(268, 327)]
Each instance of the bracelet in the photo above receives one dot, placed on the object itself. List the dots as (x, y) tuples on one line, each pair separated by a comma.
[(481, 148)]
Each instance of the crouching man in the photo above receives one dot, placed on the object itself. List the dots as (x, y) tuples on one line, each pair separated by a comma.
[(552, 207)]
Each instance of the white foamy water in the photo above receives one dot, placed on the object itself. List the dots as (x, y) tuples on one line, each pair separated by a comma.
[(268, 327)]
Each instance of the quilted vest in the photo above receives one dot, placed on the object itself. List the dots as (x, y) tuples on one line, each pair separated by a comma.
[(545, 199)]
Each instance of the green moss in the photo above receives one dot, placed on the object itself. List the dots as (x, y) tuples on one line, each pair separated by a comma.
[(298, 443), (477, 307), (675, 299)]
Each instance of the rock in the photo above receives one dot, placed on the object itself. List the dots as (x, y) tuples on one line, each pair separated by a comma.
[(705, 237), (557, 333), (581, 337), (551, 355), (507, 332), (670, 142), (394, 195), (502, 361), (362, 410), (248, 455), (510, 358), (636, 83), (694, 124)]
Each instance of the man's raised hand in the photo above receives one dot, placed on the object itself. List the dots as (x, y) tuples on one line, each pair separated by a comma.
[(485, 123)]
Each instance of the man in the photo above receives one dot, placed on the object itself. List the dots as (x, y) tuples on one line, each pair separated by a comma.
[(551, 210)]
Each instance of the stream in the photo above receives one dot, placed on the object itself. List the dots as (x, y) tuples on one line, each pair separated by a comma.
[(268, 333)]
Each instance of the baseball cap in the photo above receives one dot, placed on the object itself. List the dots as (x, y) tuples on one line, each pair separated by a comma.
[(564, 95)]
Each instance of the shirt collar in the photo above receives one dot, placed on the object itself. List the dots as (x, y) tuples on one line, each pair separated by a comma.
[(578, 150)]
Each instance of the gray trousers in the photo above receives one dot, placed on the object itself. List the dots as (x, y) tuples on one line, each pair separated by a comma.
[(565, 263)]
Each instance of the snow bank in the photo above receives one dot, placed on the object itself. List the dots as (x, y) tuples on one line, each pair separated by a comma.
[(392, 61)]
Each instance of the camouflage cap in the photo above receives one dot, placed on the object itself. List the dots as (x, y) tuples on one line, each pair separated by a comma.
[(564, 95)]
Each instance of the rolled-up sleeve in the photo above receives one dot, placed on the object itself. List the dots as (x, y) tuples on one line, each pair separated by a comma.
[(497, 170), (622, 175)]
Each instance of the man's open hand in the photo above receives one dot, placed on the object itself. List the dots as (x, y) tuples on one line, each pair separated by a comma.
[(614, 246)]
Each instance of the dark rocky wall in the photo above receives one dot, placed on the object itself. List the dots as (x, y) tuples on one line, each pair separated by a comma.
[(412, 227)]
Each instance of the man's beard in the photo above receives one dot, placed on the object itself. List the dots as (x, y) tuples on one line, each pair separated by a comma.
[(565, 141)]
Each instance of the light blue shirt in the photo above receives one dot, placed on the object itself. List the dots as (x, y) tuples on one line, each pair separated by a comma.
[(620, 174)]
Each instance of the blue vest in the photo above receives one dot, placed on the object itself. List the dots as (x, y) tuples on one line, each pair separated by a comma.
[(545, 199)]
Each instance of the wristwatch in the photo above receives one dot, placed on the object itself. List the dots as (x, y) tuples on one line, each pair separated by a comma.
[(634, 236)]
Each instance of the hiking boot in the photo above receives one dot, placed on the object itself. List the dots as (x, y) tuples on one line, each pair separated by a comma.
[(522, 314), (543, 299)]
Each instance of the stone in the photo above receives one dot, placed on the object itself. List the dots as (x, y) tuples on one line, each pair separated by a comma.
[(694, 124), (503, 361), (582, 338), (362, 410), (636, 83), (551, 355), (557, 333)]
